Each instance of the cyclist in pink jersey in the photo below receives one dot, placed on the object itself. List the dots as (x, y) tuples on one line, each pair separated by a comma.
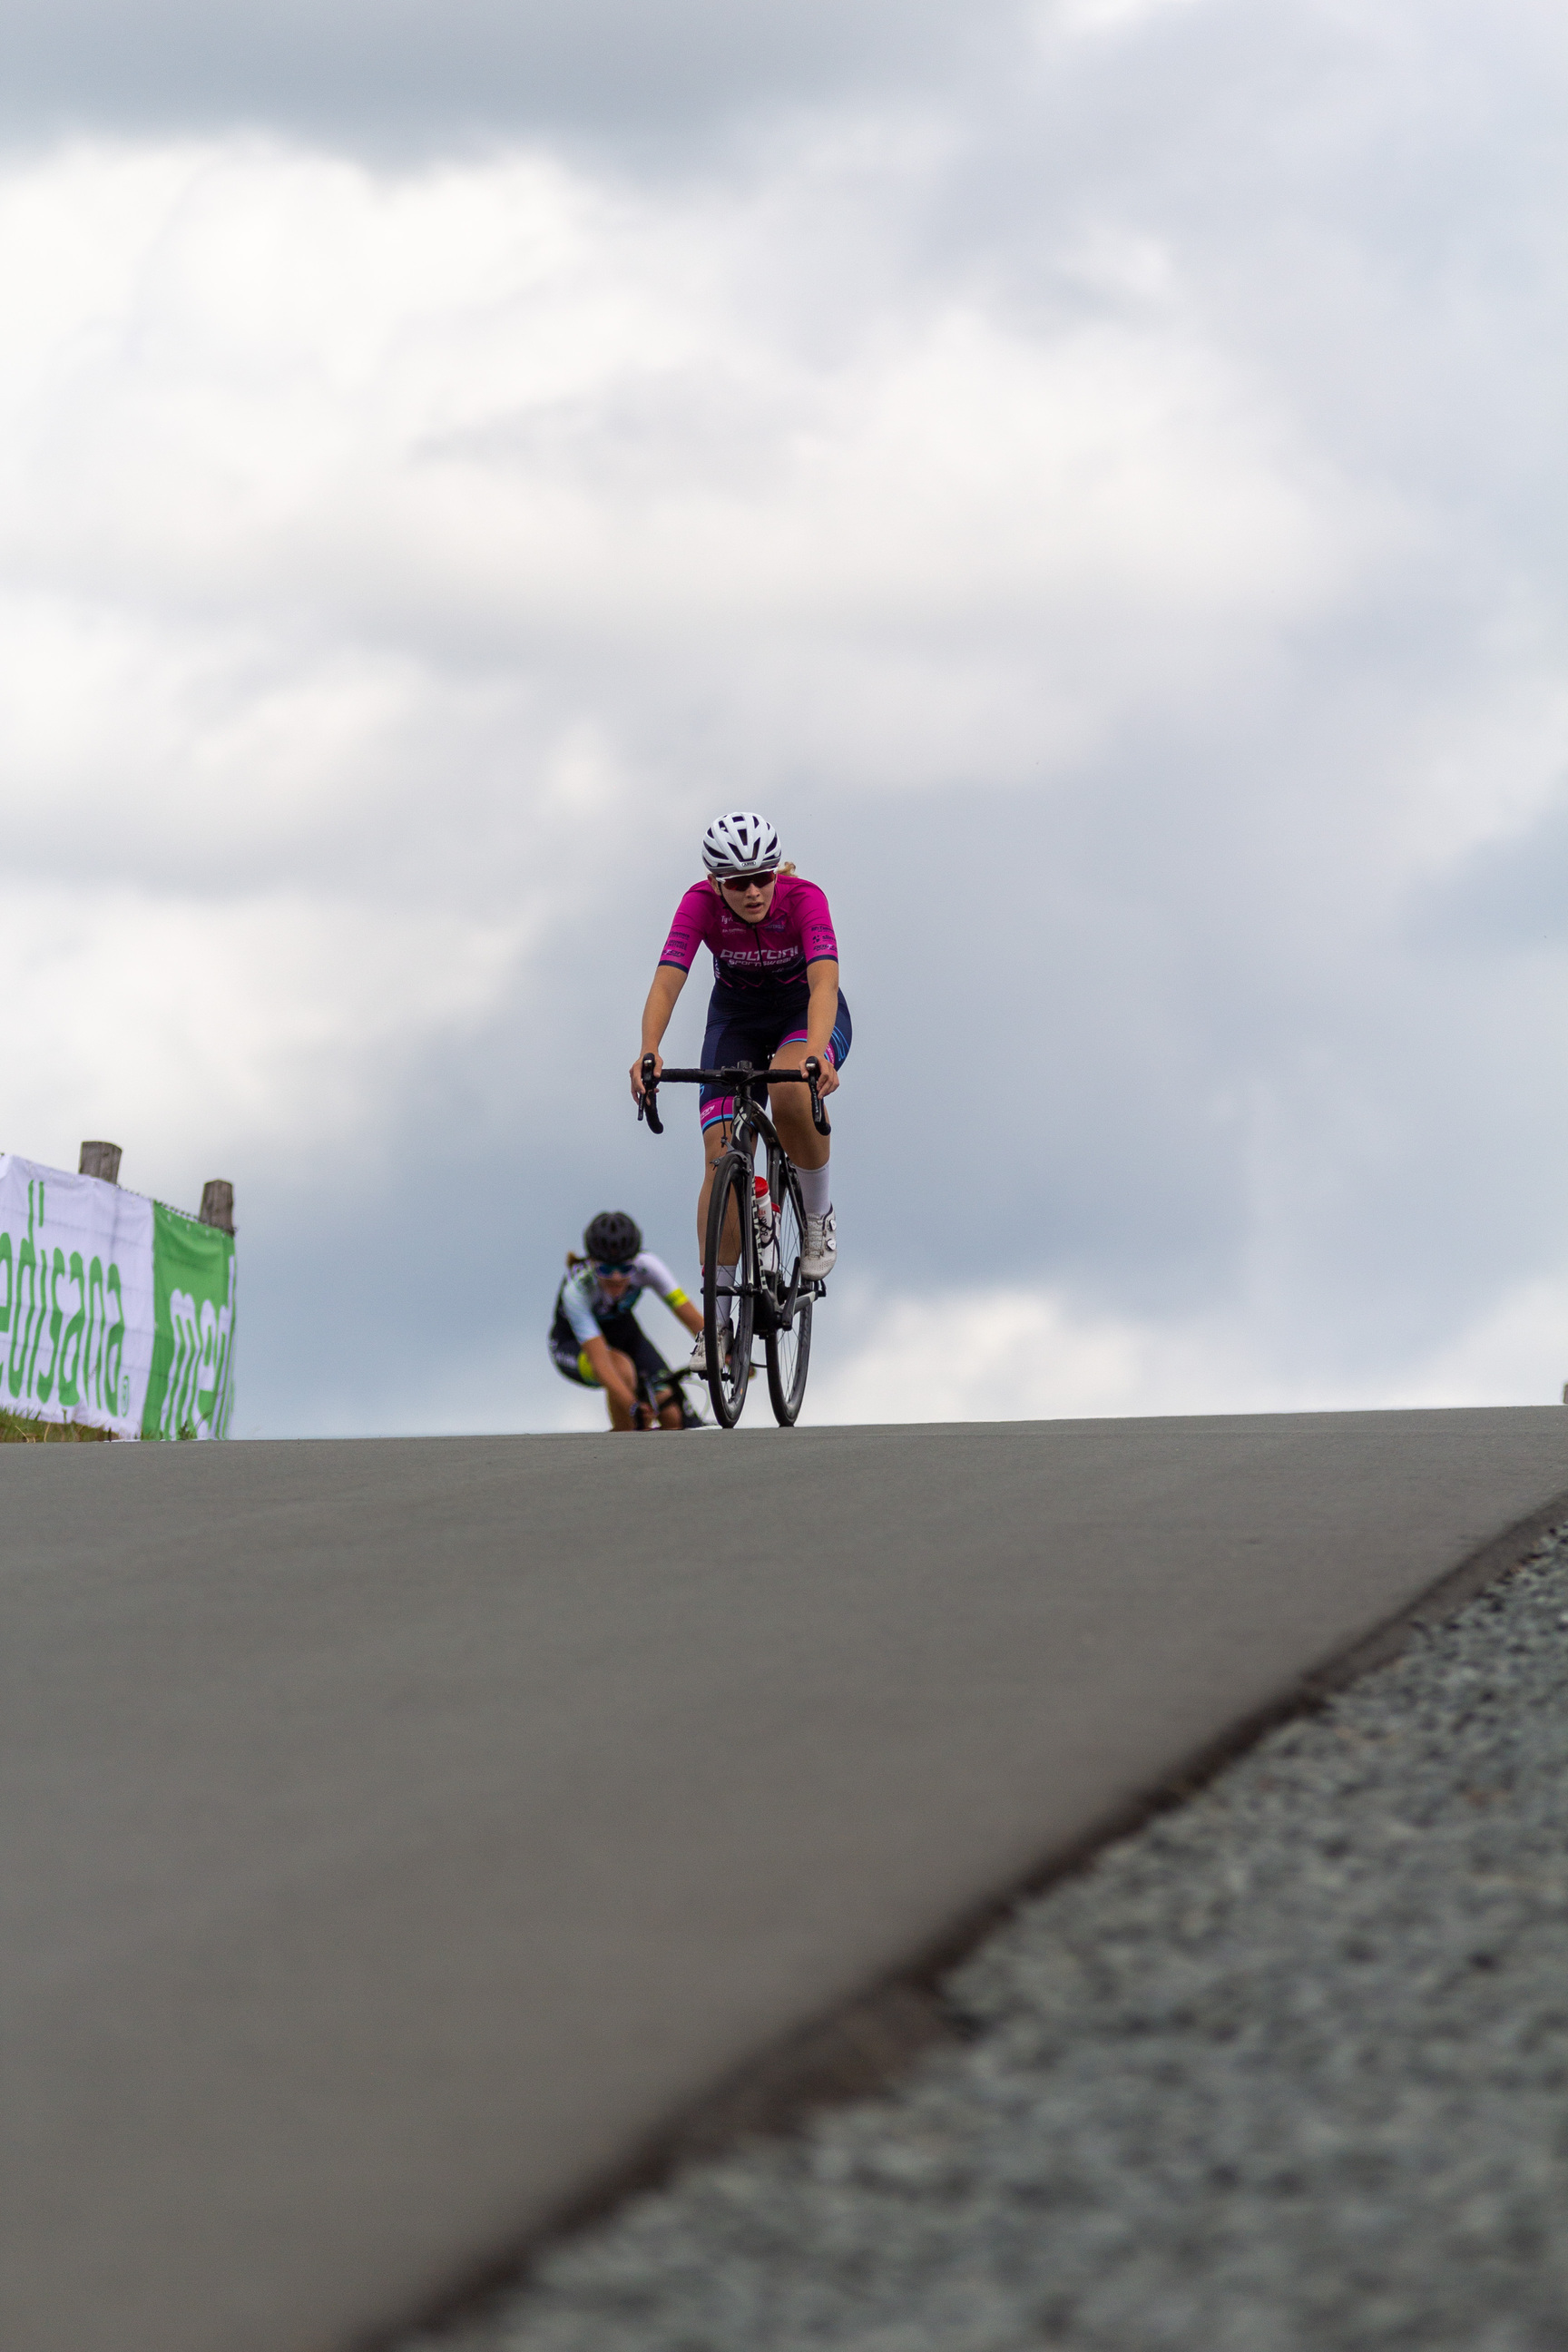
[(775, 996)]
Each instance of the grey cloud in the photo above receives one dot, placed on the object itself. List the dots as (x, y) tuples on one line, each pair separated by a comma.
[(1509, 896), (1089, 1053), (424, 72)]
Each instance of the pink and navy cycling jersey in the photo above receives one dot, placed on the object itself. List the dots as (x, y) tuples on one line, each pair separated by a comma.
[(760, 964)]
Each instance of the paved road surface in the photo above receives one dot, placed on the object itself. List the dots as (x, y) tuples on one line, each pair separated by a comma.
[(396, 1833)]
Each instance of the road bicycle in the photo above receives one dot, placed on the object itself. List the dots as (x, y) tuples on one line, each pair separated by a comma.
[(655, 1390), (756, 1225)]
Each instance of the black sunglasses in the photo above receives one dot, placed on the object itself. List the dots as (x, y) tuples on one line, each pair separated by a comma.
[(748, 881)]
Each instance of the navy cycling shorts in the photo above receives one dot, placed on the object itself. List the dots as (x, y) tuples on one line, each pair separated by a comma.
[(754, 1035)]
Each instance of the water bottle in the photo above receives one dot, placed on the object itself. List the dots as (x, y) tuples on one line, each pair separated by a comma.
[(764, 1214)]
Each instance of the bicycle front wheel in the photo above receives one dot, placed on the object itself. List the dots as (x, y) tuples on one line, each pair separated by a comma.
[(788, 1346), (728, 1345)]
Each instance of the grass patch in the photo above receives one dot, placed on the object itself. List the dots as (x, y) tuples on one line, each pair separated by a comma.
[(26, 1429)]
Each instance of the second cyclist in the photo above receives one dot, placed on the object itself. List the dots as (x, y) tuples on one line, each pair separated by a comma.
[(596, 1338)]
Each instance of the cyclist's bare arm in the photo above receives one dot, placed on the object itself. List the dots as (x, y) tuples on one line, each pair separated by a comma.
[(667, 983), (602, 1357), (821, 1013)]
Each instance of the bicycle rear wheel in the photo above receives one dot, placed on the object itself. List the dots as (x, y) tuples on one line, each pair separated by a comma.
[(729, 1235), (788, 1349)]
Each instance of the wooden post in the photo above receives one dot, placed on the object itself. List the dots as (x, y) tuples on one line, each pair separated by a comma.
[(100, 1159), (217, 1204)]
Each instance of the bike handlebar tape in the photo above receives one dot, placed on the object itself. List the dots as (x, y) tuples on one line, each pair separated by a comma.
[(650, 1103), (818, 1115)]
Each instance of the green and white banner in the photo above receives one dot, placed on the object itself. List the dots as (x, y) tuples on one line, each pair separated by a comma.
[(113, 1309)]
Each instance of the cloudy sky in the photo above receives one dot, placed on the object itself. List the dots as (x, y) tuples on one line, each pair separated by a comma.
[(1091, 471)]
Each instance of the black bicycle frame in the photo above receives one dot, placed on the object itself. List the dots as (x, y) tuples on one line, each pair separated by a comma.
[(750, 1121)]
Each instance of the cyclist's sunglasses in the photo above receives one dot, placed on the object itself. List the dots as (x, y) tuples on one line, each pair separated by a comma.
[(602, 1270), (750, 881)]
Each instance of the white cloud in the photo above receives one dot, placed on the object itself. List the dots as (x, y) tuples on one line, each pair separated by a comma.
[(507, 406), (372, 526), (274, 1026), (1514, 1352), (1026, 1353), (1090, 16)]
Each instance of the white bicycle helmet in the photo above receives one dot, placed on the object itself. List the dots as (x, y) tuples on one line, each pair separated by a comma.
[(741, 843)]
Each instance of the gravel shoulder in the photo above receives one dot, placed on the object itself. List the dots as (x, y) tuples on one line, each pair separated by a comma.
[(1285, 2071)]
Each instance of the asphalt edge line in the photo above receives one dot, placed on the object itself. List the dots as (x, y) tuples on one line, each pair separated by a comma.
[(864, 2044)]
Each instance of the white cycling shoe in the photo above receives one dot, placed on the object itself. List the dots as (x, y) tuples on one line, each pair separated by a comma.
[(700, 1353), (821, 1250)]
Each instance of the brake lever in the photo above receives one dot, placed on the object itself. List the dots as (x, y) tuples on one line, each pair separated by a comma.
[(646, 1105), (818, 1115)]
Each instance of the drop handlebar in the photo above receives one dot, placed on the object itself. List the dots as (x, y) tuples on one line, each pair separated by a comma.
[(742, 1080)]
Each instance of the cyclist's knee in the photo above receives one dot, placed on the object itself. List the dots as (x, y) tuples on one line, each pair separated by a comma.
[(791, 1106)]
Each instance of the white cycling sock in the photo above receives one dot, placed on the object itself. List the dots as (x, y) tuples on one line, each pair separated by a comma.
[(816, 1191)]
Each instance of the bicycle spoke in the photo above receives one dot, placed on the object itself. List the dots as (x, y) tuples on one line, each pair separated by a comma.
[(729, 1239), (789, 1344)]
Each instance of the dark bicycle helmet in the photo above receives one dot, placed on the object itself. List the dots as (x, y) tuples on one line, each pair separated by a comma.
[(613, 1237)]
